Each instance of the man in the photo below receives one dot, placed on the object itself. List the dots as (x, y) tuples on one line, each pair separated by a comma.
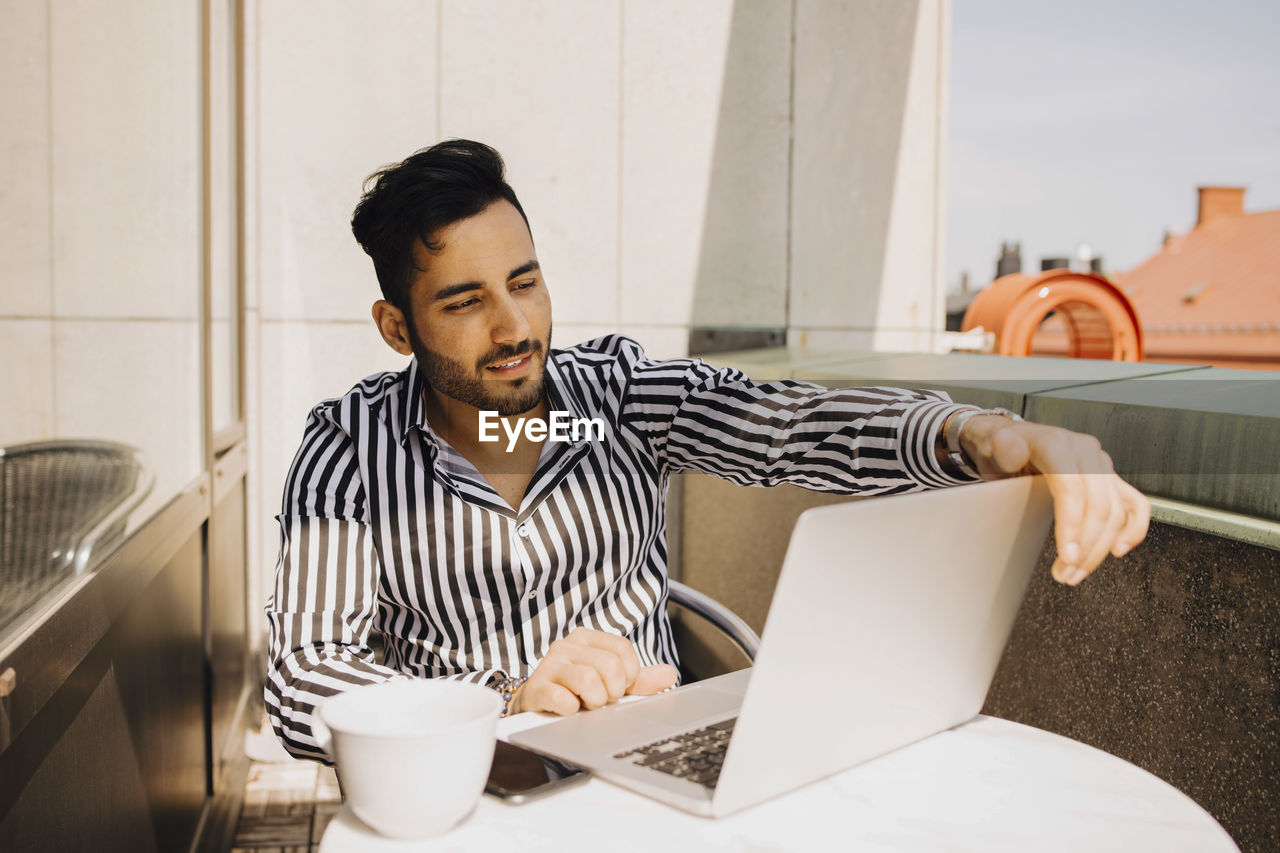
[(446, 507)]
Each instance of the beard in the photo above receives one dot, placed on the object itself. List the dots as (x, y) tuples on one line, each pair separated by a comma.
[(468, 385)]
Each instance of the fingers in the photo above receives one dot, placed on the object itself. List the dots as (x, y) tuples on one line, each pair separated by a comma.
[(1055, 458), (1068, 512), (585, 683), (611, 671), (1105, 519), (1138, 519), (589, 669), (653, 679), (1095, 511), (547, 695), (1100, 508), (620, 647), (563, 687)]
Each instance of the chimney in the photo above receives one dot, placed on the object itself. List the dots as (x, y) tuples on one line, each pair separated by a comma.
[(1216, 202), (1010, 259)]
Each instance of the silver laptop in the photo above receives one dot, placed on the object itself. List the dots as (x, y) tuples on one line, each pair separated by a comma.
[(889, 618)]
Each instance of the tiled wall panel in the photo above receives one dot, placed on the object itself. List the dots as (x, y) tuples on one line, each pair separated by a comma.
[(132, 381), (673, 66), (866, 176), (25, 290), (705, 96), (26, 386), (555, 122), (125, 110), (343, 88), (911, 303)]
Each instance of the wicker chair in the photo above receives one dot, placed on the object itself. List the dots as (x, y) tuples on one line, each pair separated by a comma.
[(63, 504)]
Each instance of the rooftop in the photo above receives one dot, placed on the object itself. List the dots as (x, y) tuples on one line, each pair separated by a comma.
[(1212, 295)]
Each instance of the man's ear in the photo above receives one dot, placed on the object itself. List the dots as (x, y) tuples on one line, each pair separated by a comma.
[(393, 326)]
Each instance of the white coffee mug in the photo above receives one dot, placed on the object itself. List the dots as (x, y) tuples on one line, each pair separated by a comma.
[(412, 755)]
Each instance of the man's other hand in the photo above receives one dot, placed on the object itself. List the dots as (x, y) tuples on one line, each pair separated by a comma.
[(589, 669), (1095, 512)]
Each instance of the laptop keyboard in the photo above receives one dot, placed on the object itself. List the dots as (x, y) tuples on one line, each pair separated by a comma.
[(696, 756)]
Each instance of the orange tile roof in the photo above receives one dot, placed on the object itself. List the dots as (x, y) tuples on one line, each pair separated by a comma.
[(1213, 293)]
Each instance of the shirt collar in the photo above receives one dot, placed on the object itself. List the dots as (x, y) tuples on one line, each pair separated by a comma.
[(559, 396), (413, 405)]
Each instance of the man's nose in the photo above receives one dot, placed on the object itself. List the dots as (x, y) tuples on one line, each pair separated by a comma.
[(509, 323)]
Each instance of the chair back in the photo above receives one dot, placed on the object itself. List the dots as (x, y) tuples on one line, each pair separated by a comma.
[(62, 503)]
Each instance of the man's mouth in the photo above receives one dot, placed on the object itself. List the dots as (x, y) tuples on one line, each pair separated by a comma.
[(507, 368)]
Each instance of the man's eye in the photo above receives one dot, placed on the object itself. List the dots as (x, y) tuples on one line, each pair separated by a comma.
[(466, 303), (525, 285)]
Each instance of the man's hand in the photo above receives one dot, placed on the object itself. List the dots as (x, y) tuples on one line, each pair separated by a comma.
[(1095, 512), (589, 669)]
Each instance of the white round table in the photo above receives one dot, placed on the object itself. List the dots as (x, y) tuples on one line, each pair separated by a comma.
[(988, 785)]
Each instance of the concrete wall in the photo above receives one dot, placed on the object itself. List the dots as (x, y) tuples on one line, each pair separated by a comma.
[(720, 163), (100, 242), (869, 174)]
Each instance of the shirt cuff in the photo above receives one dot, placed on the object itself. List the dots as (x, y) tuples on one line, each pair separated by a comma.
[(483, 677), (919, 437)]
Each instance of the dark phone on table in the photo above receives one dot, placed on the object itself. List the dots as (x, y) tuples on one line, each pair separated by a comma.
[(520, 774)]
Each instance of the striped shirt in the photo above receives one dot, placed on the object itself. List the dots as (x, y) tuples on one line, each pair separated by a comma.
[(385, 527)]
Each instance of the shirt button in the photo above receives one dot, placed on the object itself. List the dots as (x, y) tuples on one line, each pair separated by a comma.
[(523, 530)]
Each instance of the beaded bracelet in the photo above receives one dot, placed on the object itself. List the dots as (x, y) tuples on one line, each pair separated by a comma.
[(507, 686)]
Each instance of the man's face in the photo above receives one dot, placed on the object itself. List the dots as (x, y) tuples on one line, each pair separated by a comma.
[(480, 323)]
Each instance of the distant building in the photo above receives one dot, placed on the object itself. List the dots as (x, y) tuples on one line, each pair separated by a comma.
[(957, 304), (1212, 295), (1010, 259)]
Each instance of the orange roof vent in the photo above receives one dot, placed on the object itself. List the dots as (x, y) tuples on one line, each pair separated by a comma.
[(1058, 313)]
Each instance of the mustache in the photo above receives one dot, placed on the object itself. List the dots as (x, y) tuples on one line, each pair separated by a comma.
[(509, 352)]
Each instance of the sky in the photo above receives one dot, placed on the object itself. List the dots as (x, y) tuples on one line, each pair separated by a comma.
[(1091, 122)]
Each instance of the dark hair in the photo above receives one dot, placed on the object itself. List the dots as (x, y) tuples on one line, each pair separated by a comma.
[(411, 201)]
